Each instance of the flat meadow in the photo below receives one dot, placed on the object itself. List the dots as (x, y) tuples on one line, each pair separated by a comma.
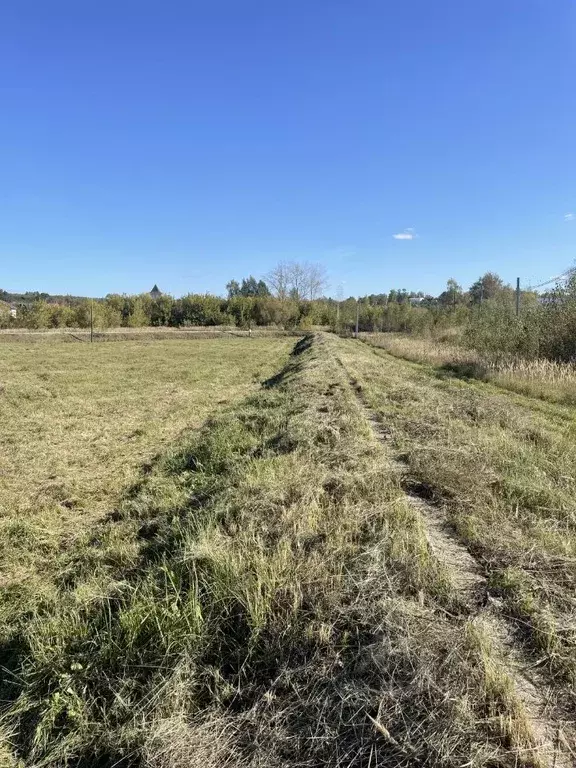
[(82, 422), (270, 552)]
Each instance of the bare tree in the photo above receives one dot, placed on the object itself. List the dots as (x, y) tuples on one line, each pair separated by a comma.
[(279, 279), (317, 280), (297, 280)]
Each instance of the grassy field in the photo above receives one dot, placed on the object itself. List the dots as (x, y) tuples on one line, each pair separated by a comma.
[(501, 467), (268, 592), (80, 423), (544, 379), (146, 333)]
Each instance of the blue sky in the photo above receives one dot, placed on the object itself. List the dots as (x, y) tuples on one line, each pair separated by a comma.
[(190, 142)]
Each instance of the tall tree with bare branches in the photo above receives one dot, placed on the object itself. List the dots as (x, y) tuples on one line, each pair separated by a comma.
[(298, 280)]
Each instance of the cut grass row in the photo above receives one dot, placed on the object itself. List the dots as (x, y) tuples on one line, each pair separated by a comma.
[(264, 596), (502, 468)]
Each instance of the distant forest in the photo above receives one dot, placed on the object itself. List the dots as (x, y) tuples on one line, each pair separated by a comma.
[(29, 297)]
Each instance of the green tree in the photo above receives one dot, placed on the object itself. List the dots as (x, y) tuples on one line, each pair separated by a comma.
[(453, 294), (250, 287), (241, 308), (137, 317), (487, 287), (203, 309), (106, 315), (233, 288), (161, 310), (37, 315)]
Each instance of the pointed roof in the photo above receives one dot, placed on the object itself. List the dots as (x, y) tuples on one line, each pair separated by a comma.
[(155, 291)]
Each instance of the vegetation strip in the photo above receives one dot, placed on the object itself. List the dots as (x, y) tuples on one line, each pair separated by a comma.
[(549, 380), (551, 746), (502, 467)]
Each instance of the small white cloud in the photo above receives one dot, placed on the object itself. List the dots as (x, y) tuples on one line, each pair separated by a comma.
[(569, 216), (408, 234)]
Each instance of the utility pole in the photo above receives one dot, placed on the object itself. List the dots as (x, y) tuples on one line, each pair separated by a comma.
[(357, 315), (339, 297), (517, 297)]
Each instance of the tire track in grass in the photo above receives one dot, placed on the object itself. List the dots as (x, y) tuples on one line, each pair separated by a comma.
[(554, 746)]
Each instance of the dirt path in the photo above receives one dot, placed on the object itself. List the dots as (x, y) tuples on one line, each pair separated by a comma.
[(554, 744)]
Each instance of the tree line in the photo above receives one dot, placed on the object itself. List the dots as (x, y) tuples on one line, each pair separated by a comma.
[(292, 296)]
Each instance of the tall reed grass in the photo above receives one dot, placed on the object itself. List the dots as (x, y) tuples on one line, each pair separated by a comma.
[(545, 379)]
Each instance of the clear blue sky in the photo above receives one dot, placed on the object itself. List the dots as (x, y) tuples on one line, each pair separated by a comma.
[(188, 142)]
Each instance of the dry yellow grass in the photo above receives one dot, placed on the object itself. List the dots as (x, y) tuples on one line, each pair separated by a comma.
[(501, 467), (544, 379), (265, 597), (80, 421), (76, 335)]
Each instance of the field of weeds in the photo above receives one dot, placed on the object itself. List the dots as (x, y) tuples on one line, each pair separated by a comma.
[(267, 594), (544, 379)]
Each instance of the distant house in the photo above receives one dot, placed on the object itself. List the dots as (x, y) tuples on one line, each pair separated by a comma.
[(155, 293)]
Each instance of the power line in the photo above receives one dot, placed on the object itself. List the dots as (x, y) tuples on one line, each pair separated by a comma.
[(561, 276)]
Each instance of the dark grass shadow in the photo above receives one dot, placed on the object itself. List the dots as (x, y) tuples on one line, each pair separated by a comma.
[(301, 346), (108, 760), (468, 371), (12, 654)]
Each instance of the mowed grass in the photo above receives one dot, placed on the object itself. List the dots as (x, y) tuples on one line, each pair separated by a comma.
[(502, 467), (263, 596), (80, 424)]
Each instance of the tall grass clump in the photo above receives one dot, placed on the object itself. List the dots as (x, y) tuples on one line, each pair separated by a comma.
[(551, 380)]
